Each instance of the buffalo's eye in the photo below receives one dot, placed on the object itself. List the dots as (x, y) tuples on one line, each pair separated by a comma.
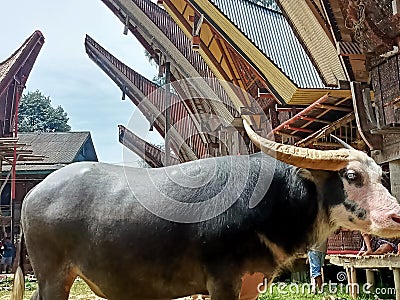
[(351, 176)]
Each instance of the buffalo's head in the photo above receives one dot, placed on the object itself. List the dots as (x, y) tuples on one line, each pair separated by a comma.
[(368, 206)]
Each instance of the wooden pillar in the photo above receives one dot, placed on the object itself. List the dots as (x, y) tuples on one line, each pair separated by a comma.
[(229, 142), (242, 146), (348, 274), (223, 143), (370, 278), (396, 7), (364, 116), (352, 282), (235, 143), (396, 275), (394, 167), (167, 113)]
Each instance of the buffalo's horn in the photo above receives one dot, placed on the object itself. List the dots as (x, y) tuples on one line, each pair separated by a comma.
[(332, 160), (341, 142)]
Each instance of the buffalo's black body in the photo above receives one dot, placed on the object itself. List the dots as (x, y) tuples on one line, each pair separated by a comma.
[(86, 220)]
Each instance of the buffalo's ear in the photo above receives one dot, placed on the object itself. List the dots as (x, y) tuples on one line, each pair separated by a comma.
[(305, 173)]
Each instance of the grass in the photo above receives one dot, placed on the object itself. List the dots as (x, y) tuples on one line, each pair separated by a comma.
[(280, 291), (79, 290)]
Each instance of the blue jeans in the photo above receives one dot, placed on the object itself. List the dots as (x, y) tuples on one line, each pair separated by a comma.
[(316, 260)]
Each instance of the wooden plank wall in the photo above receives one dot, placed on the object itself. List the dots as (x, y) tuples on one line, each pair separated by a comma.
[(386, 85), (394, 167)]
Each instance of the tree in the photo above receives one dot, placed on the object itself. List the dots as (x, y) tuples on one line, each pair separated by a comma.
[(35, 113)]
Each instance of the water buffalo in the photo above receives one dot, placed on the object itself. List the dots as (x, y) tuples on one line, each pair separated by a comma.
[(151, 234)]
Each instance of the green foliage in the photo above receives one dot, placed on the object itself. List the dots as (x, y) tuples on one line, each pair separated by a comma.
[(267, 3), (35, 114), (79, 289), (150, 59), (158, 80)]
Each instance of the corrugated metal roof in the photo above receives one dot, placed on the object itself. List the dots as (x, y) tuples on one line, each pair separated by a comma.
[(57, 147), (270, 32)]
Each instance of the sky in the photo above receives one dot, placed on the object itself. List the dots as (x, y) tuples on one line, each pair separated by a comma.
[(64, 71)]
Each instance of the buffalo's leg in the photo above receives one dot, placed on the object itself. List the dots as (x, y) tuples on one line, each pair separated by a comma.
[(223, 289), (54, 284)]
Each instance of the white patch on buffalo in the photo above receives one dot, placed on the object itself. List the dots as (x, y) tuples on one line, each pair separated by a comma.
[(83, 171), (369, 207)]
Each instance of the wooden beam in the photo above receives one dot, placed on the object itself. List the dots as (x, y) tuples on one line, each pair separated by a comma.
[(326, 111), (386, 130), (327, 144), (325, 131), (334, 107), (197, 23), (301, 113), (288, 127), (364, 117), (204, 48), (390, 151), (314, 120), (265, 94), (394, 167), (297, 109), (396, 7), (228, 60)]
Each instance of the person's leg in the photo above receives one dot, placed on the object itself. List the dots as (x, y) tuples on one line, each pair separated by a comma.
[(383, 249), (318, 282), (8, 262), (314, 258), (320, 279), (2, 262)]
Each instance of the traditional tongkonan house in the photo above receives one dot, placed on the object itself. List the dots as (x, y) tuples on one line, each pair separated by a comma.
[(311, 69), (366, 34), (266, 60), (14, 73)]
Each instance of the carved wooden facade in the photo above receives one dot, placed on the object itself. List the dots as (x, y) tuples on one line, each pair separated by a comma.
[(367, 37)]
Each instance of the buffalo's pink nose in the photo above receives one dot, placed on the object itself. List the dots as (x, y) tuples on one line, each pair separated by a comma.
[(396, 218)]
